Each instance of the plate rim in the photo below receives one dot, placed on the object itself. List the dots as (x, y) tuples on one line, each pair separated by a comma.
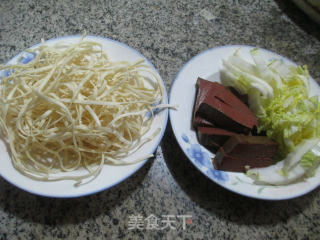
[(139, 165), (171, 112)]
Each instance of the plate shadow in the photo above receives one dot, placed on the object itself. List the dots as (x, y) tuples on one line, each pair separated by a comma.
[(299, 17), (59, 211)]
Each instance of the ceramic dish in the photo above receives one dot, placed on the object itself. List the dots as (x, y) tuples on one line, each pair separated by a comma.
[(207, 65), (110, 175)]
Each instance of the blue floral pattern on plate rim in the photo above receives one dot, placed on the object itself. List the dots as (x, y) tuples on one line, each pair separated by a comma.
[(207, 64), (201, 158)]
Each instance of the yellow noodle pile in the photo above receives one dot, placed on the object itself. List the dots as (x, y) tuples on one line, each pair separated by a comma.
[(72, 107)]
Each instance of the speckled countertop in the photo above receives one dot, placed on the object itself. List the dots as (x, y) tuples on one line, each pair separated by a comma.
[(169, 33)]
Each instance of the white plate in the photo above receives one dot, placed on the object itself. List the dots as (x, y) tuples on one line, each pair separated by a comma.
[(207, 65), (110, 175)]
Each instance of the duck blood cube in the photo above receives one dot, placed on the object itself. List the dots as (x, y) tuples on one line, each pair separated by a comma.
[(200, 122), (218, 105), (224, 162), (243, 97), (241, 152), (213, 138), (260, 146)]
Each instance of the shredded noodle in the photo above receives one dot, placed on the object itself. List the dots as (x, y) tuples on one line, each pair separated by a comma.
[(71, 107)]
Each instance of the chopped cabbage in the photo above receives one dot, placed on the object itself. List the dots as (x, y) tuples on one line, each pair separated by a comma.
[(277, 175), (278, 94)]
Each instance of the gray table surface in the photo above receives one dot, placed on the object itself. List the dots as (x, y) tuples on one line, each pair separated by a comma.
[(168, 33)]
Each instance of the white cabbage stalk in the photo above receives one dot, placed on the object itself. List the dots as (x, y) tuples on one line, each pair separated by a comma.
[(275, 174), (278, 94)]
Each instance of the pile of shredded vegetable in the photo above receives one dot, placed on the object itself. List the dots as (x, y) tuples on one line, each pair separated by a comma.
[(71, 107), (279, 94)]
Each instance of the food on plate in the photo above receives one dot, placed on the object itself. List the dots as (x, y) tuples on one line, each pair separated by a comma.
[(201, 122), (242, 97), (227, 125), (72, 107), (218, 105), (212, 137), (279, 95), (240, 152)]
